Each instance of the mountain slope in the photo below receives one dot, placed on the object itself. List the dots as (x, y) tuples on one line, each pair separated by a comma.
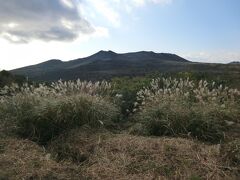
[(101, 65), (108, 64)]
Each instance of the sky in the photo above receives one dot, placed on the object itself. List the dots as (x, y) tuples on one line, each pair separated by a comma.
[(33, 31)]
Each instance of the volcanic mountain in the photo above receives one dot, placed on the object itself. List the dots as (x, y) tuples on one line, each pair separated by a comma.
[(108, 64)]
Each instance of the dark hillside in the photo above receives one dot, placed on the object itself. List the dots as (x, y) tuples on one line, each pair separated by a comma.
[(108, 64)]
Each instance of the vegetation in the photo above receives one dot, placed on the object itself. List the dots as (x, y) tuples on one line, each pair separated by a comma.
[(86, 155), (24, 159), (43, 112), (126, 89), (231, 152), (183, 107), (74, 129), (6, 78)]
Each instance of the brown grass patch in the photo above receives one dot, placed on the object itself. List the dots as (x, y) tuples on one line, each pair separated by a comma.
[(231, 153), (77, 145), (24, 159), (132, 157), (112, 156)]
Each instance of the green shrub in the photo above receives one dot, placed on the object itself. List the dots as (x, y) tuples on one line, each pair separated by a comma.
[(43, 113), (178, 119), (126, 88), (174, 107), (165, 119), (6, 78), (207, 123)]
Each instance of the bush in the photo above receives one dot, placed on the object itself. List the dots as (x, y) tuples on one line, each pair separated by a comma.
[(208, 123), (165, 118), (182, 107), (126, 89), (6, 78), (43, 113), (176, 119)]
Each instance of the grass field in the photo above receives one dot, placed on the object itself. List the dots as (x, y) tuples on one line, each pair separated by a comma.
[(164, 128)]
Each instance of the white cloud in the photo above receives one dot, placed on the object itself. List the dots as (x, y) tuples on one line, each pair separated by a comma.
[(100, 32), (107, 9), (139, 2), (113, 10), (161, 1), (68, 3), (22, 21), (145, 2)]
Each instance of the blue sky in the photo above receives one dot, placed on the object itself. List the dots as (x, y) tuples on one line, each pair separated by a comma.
[(199, 30)]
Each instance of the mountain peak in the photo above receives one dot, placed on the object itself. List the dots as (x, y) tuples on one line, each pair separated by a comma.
[(147, 52), (103, 54), (52, 61), (106, 52)]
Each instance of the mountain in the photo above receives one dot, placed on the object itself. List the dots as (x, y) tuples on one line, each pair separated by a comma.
[(235, 62), (108, 64)]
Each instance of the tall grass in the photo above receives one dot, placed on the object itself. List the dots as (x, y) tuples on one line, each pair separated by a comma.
[(184, 107), (42, 112), (167, 106)]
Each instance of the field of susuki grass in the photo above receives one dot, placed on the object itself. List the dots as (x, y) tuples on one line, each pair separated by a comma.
[(164, 128), (184, 107)]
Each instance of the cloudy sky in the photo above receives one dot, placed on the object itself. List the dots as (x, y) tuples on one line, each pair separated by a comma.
[(32, 31)]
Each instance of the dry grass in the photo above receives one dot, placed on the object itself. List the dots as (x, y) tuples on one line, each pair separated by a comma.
[(231, 152), (24, 159), (78, 144), (132, 157), (87, 154)]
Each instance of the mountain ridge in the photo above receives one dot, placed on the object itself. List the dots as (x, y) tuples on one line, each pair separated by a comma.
[(108, 64)]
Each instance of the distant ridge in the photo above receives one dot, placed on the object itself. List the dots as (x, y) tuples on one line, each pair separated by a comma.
[(235, 62), (108, 64)]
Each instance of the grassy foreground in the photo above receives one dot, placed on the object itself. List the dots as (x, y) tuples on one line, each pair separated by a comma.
[(104, 155), (175, 129)]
